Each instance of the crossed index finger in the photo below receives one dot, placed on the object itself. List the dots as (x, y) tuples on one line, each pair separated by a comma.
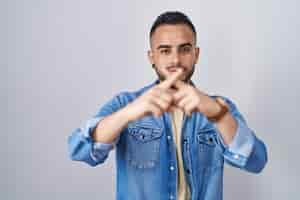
[(171, 80)]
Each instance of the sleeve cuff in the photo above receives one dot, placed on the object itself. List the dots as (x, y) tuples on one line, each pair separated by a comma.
[(89, 126), (99, 150), (240, 148), (243, 140)]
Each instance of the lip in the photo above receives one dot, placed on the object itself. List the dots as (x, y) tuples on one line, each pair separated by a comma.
[(173, 69)]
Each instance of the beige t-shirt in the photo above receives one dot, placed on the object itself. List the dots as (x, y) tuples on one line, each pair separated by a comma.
[(177, 120)]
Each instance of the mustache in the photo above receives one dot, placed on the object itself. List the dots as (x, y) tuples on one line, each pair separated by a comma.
[(172, 66), (176, 67)]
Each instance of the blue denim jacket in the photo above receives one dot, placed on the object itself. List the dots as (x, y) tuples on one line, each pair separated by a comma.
[(146, 156)]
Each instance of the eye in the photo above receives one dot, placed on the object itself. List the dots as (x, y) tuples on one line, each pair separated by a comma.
[(165, 51), (186, 49)]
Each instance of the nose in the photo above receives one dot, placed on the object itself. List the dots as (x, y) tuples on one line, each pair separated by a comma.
[(175, 59)]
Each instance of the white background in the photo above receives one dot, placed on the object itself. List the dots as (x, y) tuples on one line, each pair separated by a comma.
[(61, 60)]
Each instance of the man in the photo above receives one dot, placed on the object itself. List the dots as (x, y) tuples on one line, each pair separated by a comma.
[(171, 138)]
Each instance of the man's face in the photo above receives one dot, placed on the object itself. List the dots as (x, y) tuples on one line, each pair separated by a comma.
[(173, 47)]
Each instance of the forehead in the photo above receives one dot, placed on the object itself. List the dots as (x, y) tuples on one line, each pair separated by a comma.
[(172, 35)]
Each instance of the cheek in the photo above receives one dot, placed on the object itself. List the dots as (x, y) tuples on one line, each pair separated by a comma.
[(162, 61), (189, 59), (161, 64), (161, 70)]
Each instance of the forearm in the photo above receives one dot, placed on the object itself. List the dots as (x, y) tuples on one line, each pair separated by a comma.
[(110, 127), (242, 148), (227, 126)]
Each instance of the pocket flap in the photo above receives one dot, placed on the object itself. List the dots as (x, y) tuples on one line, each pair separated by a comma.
[(144, 133), (207, 136)]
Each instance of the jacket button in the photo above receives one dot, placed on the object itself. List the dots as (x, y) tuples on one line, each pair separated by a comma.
[(188, 171)]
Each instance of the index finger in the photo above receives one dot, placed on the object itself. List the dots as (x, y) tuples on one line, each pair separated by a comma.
[(171, 80)]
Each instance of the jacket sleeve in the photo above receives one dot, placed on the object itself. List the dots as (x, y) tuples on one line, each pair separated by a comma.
[(246, 151), (81, 146)]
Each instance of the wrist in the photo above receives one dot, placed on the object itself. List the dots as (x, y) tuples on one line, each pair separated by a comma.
[(221, 109), (128, 114)]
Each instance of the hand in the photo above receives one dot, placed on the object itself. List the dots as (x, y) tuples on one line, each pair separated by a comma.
[(190, 99), (156, 100)]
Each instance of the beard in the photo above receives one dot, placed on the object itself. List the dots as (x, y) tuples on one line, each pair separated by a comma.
[(162, 77)]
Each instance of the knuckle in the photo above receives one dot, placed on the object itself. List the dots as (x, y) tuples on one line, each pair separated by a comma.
[(165, 107), (152, 91), (168, 96)]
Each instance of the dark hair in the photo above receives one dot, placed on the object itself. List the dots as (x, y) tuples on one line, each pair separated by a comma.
[(172, 18)]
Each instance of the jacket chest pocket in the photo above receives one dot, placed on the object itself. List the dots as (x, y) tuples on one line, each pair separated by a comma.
[(209, 153), (143, 145)]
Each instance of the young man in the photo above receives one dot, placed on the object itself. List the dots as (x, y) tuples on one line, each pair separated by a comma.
[(171, 138)]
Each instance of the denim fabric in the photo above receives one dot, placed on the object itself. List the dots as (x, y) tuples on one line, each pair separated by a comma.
[(146, 155)]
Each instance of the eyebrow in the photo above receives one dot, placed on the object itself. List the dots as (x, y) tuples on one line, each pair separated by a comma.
[(162, 46), (185, 44), (169, 46)]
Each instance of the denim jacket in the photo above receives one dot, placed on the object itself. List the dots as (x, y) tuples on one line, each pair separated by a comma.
[(146, 156)]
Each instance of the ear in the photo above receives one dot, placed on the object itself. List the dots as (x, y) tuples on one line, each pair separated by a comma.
[(150, 57), (197, 53)]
